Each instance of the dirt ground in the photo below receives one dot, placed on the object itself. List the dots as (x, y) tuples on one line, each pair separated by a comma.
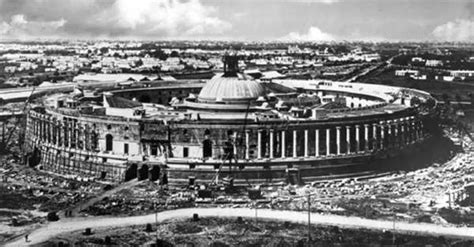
[(231, 232)]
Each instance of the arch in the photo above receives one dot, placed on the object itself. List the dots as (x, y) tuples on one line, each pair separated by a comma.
[(109, 143), (154, 173), (131, 172), (207, 148), (143, 172)]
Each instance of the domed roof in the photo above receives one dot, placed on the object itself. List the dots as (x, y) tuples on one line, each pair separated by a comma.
[(222, 89)]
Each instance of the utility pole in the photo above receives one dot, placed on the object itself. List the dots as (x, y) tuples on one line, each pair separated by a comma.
[(156, 220), (256, 217), (309, 219)]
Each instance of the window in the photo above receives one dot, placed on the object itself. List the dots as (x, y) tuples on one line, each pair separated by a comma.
[(154, 150), (185, 152), (125, 148), (108, 142)]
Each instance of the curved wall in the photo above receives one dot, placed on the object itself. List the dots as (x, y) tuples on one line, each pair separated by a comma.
[(270, 150)]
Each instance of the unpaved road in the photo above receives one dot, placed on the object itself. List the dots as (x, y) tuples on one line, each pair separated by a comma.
[(73, 224)]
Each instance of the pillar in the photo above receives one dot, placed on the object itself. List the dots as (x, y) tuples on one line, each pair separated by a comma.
[(357, 136), (328, 140), (338, 140), (58, 133), (396, 134), (366, 137), (294, 144), (259, 144), (305, 143), (316, 142), (389, 133), (348, 139), (374, 136), (247, 146), (271, 144), (283, 144), (382, 135), (402, 133)]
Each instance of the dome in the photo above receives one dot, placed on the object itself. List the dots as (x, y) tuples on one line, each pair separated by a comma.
[(231, 89)]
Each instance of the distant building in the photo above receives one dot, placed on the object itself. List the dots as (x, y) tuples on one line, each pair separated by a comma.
[(405, 72), (434, 63)]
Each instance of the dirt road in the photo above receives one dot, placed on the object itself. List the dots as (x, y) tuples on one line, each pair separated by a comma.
[(73, 224)]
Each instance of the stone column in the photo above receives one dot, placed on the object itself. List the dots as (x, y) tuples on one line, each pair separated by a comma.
[(71, 132), (421, 129), (58, 133), (348, 139), (271, 144), (396, 134), (357, 136), (328, 141), (316, 142), (382, 135), (294, 144), (247, 146), (402, 133), (259, 144), (374, 136), (283, 144), (389, 133), (366, 137), (305, 143), (78, 132), (338, 140)]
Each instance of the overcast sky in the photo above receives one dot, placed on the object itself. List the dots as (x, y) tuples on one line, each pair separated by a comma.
[(253, 20)]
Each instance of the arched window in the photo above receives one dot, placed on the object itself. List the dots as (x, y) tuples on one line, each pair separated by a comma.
[(108, 142)]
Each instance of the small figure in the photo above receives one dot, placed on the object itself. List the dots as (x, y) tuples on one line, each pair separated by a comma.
[(26, 238)]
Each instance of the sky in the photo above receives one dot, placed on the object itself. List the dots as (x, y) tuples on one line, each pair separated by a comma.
[(242, 20)]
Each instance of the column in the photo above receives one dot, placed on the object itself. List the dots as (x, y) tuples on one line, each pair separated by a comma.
[(348, 139), (247, 146), (71, 132), (396, 134), (316, 142), (259, 144), (402, 133), (305, 143), (338, 140), (421, 129), (374, 136), (50, 130), (58, 133), (366, 137), (283, 144), (382, 135), (357, 136), (328, 140), (294, 144), (271, 144), (389, 134), (78, 136)]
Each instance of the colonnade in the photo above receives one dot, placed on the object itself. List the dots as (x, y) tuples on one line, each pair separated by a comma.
[(67, 133), (335, 140)]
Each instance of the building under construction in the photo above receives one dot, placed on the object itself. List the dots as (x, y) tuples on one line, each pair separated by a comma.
[(231, 126)]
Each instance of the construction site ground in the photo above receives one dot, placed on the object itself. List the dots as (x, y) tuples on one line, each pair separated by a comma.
[(211, 231), (27, 195)]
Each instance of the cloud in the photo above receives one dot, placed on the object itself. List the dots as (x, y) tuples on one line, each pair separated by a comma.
[(458, 30), (146, 19), (313, 34), (20, 27)]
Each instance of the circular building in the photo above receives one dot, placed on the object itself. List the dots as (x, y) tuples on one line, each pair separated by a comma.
[(230, 127)]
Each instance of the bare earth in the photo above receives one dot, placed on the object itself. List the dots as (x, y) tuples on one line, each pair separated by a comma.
[(72, 224)]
